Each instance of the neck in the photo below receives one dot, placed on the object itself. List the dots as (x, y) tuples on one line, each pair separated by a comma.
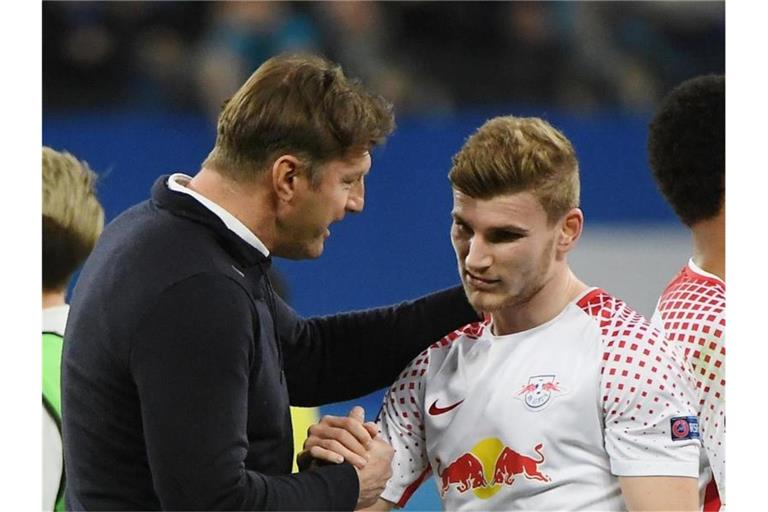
[(556, 293), (53, 298), (709, 245), (248, 203)]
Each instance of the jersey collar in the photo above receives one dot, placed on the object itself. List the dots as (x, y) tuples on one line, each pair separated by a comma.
[(693, 267), (55, 319)]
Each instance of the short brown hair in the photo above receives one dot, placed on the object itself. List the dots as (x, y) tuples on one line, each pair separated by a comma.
[(297, 104), (72, 216), (515, 154)]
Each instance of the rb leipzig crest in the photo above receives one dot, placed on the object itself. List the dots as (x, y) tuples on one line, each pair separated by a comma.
[(539, 391)]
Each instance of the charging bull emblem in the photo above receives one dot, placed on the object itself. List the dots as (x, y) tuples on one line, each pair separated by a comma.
[(488, 467), (466, 471), (511, 463)]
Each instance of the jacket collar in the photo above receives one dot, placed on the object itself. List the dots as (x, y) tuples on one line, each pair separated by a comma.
[(186, 206)]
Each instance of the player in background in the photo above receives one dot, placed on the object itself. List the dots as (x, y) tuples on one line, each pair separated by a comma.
[(72, 221), (686, 151), (563, 398)]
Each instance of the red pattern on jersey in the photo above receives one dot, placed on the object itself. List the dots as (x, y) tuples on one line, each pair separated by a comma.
[(637, 361), (405, 400), (692, 309), (409, 385), (692, 313)]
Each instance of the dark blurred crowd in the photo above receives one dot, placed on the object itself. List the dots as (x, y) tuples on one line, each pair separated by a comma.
[(423, 56)]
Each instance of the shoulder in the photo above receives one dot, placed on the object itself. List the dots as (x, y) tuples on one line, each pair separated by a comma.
[(615, 318), (148, 234), (206, 302), (631, 345), (692, 296), (442, 350), (466, 334), (206, 313)]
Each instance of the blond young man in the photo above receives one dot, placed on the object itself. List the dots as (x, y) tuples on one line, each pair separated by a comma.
[(72, 222), (563, 398), (181, 362), (686, 150)]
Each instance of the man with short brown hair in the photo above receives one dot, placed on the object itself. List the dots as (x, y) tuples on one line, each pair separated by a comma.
[(181, 362), (563, 398)]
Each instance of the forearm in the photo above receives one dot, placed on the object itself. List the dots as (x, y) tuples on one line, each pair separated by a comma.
[(659, 493), (328, 487), (364, 351), (380, 505)]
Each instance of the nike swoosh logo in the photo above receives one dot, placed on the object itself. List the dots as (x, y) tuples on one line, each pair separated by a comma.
[(434, 410)]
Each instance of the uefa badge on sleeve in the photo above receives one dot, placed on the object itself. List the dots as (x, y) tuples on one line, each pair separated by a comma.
[(684, 427)]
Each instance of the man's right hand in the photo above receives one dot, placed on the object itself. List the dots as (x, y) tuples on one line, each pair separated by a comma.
[(374, 476), (336, 439)]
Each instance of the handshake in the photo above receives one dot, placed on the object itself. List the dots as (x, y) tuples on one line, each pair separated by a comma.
[(337, 439)]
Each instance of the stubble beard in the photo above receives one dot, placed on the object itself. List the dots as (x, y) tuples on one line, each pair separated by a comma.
[(531, 284), (493, 303)]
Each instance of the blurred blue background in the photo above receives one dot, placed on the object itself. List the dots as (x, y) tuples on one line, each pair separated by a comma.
[(133, 88), (399, 247)]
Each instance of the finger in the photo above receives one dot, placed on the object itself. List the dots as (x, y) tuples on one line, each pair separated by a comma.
[(348, 440), (357, 413), (327, 420), (331, 445), (372, 428), (320, 453), (382, 448), (331, 427)]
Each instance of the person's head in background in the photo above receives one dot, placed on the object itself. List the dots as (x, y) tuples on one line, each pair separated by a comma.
[(73, 219), (686, 153)]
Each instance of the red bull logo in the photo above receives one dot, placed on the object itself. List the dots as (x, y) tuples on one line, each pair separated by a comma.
[(489, 466), (466, 472), (511, 463)]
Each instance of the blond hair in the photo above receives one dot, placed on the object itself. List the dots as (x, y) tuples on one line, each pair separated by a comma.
[(72, 216), (514, 154), (301, 105)]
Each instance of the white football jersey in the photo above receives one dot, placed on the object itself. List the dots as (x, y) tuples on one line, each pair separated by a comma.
[(691, 311), (544, 419)]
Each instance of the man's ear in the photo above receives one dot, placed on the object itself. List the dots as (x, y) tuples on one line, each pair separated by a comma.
[(571, 226), (286, 170)]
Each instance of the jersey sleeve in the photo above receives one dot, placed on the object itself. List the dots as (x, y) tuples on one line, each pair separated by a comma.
[(710, 373), (401, 423), (648, 396), (691, 312)]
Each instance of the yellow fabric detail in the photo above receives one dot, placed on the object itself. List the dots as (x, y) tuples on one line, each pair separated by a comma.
[(302, 418)]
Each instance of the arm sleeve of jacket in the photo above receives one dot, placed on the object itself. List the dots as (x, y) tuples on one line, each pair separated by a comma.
[(191, 359), (344, 356)]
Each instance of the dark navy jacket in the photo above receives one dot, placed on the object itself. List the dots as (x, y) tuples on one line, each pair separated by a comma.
[(176, 390)]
